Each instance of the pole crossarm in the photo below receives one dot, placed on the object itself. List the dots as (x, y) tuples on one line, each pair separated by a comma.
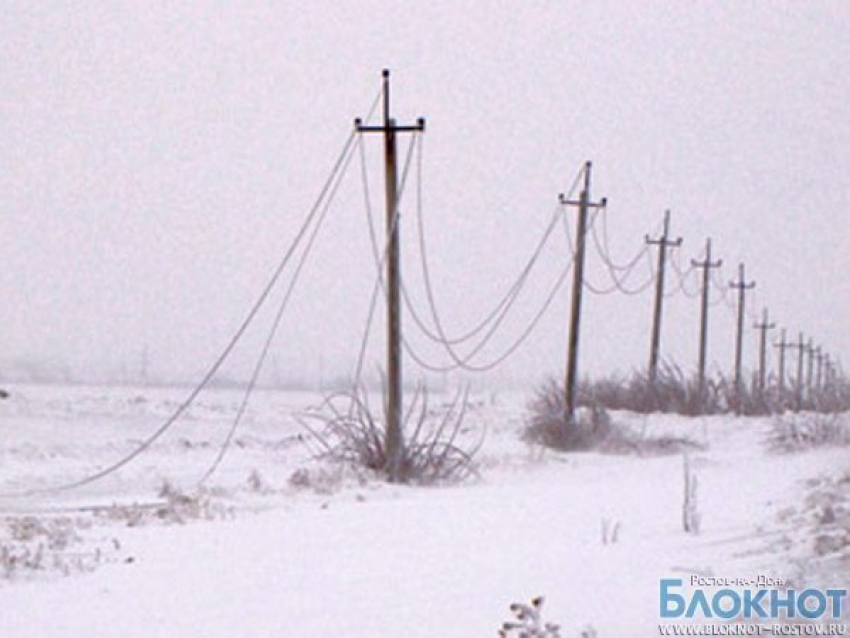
[(602, 203), (419, 127)]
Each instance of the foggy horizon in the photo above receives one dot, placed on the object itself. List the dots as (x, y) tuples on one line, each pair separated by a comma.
[(157, 161)]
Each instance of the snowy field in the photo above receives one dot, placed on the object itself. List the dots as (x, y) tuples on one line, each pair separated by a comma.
[(280, 544)]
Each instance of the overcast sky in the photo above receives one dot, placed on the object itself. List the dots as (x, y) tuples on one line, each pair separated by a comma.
[(156, 159)]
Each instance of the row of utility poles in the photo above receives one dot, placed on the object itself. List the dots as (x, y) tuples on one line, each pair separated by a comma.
[(821, 371), (824, 369)]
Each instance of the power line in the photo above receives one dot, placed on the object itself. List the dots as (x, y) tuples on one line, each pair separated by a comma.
[(494, 318), (211, 372), (464, 362), (275, 325), (618, 280)]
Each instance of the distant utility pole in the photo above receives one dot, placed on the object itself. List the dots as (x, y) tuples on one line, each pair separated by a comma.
[(763, 327), (827, 370), (663, 244), (584, 205), (810, 368), (819, 377), (800, 347), (394, 440), (783, 345), (741, 286), (706, 267)]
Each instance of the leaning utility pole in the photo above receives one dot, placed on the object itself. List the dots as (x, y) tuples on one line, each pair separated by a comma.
[(742, 287), (663, 244), (584, 205), (763, 327), (783, 345), (706, 266), (394, 443)]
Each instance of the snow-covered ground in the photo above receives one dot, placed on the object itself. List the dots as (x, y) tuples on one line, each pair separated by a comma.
[(281, 545)]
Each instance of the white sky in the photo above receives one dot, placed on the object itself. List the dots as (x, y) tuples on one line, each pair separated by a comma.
[(156, 160)]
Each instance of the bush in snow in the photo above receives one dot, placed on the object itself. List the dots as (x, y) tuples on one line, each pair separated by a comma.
[(30, 545), (176, 507), (802, 430), (593, 429), (671, 391), (348, 431), (529, 622)]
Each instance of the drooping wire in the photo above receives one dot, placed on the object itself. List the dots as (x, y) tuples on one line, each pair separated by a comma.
[(275, 325), (725, 291), (683, 277), (618, 279), (498, 315), (223, 356), (435, 336), (465, 361)]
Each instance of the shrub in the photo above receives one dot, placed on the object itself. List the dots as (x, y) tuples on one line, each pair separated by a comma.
[(593, 429), (529, 622), (793, 432), (671, 391), (349, 432)]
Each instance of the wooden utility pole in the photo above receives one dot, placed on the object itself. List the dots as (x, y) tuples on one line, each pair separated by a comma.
[(394, 442), (763, 327), (706, 267), (783, 345), (810, 368), (827, 370), (584, 205), (741, 286), (800, 347), (819, 377), (663, 244)]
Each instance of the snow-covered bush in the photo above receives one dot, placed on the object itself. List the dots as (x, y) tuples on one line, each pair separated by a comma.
[(592, 429), (671, 391), (176, 507), (529, 622), (802, 430), (31, 545), (348, 431)]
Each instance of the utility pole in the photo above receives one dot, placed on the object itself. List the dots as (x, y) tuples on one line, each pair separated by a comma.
[(584, 205), (763, 327), (394, 442), (663, 244), (819, 377), (706, 267), (827, 369), (783, 345), (810, 368), (741, 286), (800, 347)]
